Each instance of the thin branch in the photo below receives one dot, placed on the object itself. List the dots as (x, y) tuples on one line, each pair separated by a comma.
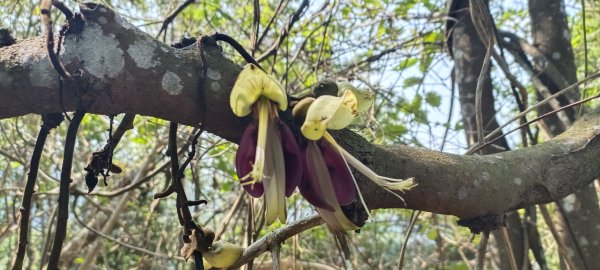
[(275, 255), (49, 122), (169, 19), (532, 121), (509, 249), (173, 155), (48, 238), (143, 250), (324, 39), (64, 9), (450, 110), (284, 32), (571, 233), (522, 48), (541, 103), (562, 247), (483, 74), (481, 250), (278, 235), (182, 202), (238, 47), (46, 11), (228, 217), (271, 20), (255, 26), (413, 219), (63, 196)]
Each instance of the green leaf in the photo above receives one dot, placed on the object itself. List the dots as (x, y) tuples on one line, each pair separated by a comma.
[(406, 63), (426, 60), (412, 81), (433, 99)]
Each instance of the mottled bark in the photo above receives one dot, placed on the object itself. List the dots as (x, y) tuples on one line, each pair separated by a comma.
[(168, 83), (468, 53), (552, 37)]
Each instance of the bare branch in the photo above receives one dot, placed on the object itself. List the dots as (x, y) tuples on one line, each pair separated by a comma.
[(276, 236)]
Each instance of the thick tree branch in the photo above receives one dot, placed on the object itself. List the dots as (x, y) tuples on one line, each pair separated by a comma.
[(130, 72)]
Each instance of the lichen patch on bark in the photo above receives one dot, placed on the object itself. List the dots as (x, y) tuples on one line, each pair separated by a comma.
[(213, 74), (171, 83), (98, 54), (139, 53)]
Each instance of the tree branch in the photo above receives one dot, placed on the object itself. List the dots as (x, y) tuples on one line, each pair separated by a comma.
[(164, 84), (275, 237)]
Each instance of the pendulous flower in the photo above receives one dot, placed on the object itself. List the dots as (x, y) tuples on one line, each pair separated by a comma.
[(268, 160), (327, 182)]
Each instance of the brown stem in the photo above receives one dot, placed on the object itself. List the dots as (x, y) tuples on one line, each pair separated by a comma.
[(63, 196), (173, 155), (50, 121), (481, 250), (46, 11), (169, 19)]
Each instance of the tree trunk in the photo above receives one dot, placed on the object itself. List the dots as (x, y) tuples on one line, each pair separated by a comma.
[(580, 213), (468, 53)]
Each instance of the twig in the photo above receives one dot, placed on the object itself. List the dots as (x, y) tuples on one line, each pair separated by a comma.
[(238, 47), (125, 125), (509, 249), (323, 41), (570, 232), (452, 91), (227, 218), (483, 74), (275, 255), (284, 32), (173, 155), (413, 219), (64, 9), (271, 20), (141, 181), (278, 235), (562, 247), (541, 103), (63, 196), (585, 45), (534, 120), (48, 238), (46, 11), (169, 19), (155, 254), (255, 25), (481, 250), (49, 122), (534, 243), (182, 201)]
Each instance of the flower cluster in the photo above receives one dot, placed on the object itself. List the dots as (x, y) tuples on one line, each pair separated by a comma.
[(270, 161)]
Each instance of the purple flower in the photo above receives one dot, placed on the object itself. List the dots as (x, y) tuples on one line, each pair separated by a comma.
[(327, 183), (269, 160)]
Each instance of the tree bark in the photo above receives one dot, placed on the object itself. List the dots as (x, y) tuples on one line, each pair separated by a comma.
[(168, 83), (468, 53), (579, 213)]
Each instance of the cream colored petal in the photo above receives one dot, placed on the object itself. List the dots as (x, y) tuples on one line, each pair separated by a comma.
[(364, 98), (387, 183), (274, 179), (223, 254), (329, 112), (252, 83)]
